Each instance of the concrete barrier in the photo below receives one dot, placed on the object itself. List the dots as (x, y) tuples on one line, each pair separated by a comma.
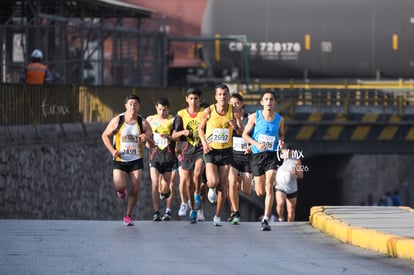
[(370, 233)]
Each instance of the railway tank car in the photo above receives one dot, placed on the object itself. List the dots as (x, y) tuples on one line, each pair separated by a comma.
[(311, 38)]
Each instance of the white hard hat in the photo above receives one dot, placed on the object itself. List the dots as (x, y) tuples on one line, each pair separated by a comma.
[(37, 54)]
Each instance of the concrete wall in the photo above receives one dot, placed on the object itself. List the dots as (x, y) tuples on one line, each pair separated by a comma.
[(65, 172), (47, 178), (376, 175), (62, 177)]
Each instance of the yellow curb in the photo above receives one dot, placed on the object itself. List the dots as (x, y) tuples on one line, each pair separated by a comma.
[(406, 208), (392, 245)]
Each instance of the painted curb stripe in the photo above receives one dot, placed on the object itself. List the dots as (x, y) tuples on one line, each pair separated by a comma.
[(392, 245)]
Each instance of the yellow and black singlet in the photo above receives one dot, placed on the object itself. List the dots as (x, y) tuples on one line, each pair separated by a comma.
[(219, 133), (162, 128), (191, 122)]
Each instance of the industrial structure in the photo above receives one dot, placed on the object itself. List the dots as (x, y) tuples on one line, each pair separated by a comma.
[(86, 42)]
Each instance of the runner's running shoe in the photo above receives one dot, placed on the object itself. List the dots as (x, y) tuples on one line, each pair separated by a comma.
[(128, 221), (167, 216), (217, 221), (197, 201), (200, 215), (235, 220), (122, 195), (156, 217), (266, 226), (183, 210), (193, 216), (231, 217), (212, 195), (164, 196), (235, 217)]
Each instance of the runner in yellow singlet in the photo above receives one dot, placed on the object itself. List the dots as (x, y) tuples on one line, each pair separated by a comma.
[(216, 134), (162, 157), (186, 131)]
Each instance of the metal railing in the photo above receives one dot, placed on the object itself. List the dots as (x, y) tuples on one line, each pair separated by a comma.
[(22, 104), (398, 101)]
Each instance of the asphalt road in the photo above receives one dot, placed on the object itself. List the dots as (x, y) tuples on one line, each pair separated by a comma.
[(177, 247)]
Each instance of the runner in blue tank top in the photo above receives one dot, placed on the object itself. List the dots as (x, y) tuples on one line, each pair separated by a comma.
[(265, 132)]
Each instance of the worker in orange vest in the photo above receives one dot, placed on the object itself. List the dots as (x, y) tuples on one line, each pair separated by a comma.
[(36, 72)]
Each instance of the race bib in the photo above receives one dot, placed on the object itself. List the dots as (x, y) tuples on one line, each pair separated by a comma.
[(239, 144), (221, 135), (129, 149), (160, 141), (267, 141)]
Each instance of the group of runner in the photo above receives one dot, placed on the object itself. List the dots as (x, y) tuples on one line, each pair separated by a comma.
[(216, 147)]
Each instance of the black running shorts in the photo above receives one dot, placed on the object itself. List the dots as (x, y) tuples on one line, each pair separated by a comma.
[(219, 157), (264, 161), (241, 162), (128, 166)]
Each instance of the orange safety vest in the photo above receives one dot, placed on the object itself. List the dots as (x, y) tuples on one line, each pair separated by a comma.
[(36, 73)]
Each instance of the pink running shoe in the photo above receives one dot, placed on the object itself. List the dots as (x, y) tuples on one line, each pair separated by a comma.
[(123, 196), (128, 220)]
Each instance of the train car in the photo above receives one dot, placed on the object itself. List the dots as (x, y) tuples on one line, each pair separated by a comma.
[(310, 38)]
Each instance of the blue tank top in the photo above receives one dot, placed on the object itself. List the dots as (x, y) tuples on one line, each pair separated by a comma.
[(266, 132)]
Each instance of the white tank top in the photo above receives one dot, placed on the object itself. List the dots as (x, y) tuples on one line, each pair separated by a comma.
[(285, 181), (129, 143)]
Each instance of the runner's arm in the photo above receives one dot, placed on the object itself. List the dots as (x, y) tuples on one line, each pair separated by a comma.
[(147, 136), (107, 134), (201, 130), (247, 132), (178, 129), (281, 137)]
